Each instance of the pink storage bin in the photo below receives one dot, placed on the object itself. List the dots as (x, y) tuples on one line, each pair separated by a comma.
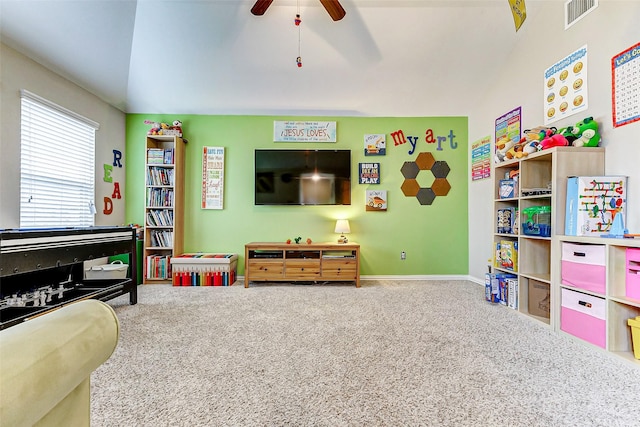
[(583, 316), (583, 266), (633, 273)]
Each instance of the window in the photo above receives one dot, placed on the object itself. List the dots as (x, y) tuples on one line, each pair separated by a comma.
[(57, 165)]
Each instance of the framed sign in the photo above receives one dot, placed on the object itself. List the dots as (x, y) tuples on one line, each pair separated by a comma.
[(304, 131), (212, 177)]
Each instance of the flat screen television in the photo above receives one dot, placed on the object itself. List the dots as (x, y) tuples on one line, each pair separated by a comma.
[(302, 177)]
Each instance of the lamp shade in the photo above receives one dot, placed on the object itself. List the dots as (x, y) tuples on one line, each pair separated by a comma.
[(342, 226)]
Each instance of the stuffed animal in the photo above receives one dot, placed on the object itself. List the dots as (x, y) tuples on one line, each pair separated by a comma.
[(156, 128), (553, 139), (586, 133), (502, 147), (177, 125)]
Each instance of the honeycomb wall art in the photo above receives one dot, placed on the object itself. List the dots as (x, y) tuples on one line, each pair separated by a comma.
[(425, 162)]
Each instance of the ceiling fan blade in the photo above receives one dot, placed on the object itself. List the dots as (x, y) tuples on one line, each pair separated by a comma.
[(334, 8), (261, 7)]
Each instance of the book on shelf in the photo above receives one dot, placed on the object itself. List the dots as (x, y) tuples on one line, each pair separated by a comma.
[(155, 155)]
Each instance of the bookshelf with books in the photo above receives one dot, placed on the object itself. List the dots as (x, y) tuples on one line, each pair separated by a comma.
[(529, 210), (164, 205)]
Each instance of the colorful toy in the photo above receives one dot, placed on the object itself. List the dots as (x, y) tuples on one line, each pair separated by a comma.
[(553, 139), (586, 133), (502, 147)]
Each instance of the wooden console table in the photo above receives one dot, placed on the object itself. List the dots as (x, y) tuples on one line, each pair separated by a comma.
[(282, 262)]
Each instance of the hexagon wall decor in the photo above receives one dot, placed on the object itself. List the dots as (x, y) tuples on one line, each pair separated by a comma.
[(425, 162)]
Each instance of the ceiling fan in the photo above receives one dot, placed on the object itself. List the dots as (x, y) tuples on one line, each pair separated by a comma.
[(333, 7)]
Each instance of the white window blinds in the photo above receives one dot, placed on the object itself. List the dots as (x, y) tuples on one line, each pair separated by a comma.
[(57, 165)]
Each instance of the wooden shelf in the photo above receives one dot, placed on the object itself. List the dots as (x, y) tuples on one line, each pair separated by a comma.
[(164, 236), (547, 171), (316, 262)]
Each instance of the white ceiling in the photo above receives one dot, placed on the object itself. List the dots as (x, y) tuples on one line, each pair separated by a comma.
[(386, 57)]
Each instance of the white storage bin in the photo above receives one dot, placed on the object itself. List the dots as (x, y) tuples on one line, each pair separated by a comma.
[(115, 270)]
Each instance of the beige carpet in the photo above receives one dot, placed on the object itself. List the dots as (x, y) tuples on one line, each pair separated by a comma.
[(408, 353)]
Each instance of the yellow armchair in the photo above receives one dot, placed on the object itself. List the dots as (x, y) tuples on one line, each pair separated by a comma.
[(46, 364)]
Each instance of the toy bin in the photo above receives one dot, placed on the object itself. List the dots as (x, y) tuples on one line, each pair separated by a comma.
[(583, 266), (200, 269), (633, 274), (635, 335), (115, 270), (584, 316), (537, 221)]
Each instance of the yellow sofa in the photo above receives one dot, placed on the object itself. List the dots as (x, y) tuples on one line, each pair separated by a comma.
[(46, 364)]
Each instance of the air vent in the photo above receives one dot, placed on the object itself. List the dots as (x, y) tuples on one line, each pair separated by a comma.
[(575, 10)]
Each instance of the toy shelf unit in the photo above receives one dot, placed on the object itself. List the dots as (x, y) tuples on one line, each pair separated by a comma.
[(529, 208), (164, 205), (314, 262), (598, 282)]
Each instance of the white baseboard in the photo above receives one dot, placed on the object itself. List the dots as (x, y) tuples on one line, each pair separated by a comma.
[(419, 277)]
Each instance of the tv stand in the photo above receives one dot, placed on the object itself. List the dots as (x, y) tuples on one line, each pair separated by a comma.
[(314, 262)]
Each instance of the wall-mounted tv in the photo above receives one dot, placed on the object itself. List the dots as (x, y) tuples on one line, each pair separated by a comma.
[(302, 177)]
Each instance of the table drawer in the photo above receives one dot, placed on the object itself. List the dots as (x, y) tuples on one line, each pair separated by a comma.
[(265, 269), (339, 269), (302, 269)]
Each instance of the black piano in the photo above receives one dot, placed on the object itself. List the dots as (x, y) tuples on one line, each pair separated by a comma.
[(43, 269)]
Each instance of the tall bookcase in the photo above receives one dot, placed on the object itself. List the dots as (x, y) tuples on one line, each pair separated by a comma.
[(542, 181), (164, 205)]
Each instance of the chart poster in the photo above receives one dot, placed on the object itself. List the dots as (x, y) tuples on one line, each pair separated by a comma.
[(212, 177), (375, 145), (625, 78), (481, 159), (290, 131), (508, 126), (376, 200), (565, 87), (369, 173)]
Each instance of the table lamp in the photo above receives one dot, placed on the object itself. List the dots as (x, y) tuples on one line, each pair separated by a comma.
[(342, 227)]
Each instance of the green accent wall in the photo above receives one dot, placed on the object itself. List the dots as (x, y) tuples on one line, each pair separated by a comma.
[(434, 237)]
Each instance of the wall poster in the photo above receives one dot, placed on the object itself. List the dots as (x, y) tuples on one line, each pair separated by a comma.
[(565, 87), (369, 173), (481, 159), (212, 177), (375, 144), (376, 200), (508, 128), (625, 78), (292, 131)]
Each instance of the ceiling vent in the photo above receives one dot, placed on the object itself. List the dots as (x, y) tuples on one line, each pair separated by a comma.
[(575, 10)]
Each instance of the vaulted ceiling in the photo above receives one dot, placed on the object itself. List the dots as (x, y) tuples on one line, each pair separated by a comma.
[(385, 57)]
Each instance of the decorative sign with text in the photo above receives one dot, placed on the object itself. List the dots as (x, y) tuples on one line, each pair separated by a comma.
[(304, 131), (369, 173), (212, 177)]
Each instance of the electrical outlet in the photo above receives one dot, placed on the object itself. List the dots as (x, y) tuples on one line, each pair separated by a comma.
[(403, 255)]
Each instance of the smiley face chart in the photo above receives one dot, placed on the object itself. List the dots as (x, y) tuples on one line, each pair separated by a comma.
[(565, 87), (625, 70)]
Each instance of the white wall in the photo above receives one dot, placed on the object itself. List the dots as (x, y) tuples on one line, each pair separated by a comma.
[(18, 72), (608, 30)]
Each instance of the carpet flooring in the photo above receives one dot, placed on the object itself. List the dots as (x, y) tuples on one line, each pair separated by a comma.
[(391, 353)]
